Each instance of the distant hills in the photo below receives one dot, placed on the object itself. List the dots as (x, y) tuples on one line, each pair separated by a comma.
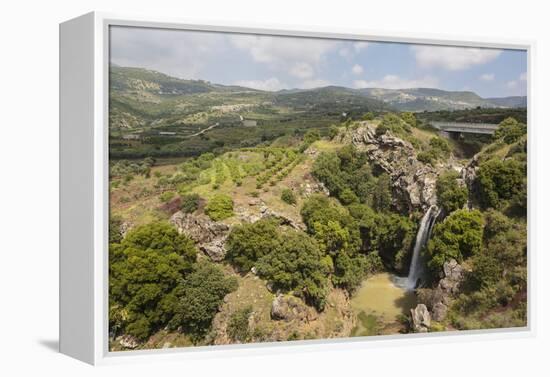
[(149, 83)]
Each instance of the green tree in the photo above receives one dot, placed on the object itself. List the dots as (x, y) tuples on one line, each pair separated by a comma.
[(297, 265), (219, 207), (237, 327), (198, 298), (287, 196), (144, 269), (458, 236), (249, 242), (500, 180), (510, 130), (368, 116), (409, 118), (311, 136), (382, 197), (450, 195), (190, 203), (326, 169), (318, 211)]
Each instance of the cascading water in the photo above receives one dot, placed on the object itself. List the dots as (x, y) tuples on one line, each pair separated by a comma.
[(424, 232)]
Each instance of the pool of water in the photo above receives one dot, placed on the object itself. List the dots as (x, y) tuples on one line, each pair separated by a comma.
[(383, 296)]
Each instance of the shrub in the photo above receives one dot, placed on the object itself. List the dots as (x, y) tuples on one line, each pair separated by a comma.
[(198, 298), (409, 118), (296, 264), (368, 116), (249, 242), (510, 131), (500, 180), (333, 131), (166, 196), (190, 203), (450, 195), (219, 207), (144, 270), (288, 196), (458, 236), (237, 327)]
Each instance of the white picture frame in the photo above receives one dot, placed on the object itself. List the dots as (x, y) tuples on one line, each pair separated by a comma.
[(84, 47)]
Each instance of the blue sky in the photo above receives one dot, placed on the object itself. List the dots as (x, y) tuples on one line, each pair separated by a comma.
[(274, 63)]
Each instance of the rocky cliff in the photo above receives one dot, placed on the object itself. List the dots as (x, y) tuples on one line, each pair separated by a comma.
[(413, 181)]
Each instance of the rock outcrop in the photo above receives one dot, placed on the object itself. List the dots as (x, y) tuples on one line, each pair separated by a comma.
[(439, 299), (413, 180), (128, 342), (209, 235), (420, 318), (290, 308)]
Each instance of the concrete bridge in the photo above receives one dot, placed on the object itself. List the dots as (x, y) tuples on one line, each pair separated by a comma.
[(471, 128)]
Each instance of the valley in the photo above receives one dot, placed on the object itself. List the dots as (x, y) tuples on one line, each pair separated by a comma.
[(242, 216)]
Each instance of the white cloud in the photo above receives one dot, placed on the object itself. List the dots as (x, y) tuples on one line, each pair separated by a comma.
[(357, 69), (272, 84), (452, 58), (176, 53), (523, 76), (358, 46), (396, 82), (487, 77), (296, 56), (350, 50), (302, 70)]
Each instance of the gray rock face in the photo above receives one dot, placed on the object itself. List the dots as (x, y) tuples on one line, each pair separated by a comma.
[(128, 341), (420, 318), (266, 212), (413, 180), (209, 235), (288, 308), (439, 298)]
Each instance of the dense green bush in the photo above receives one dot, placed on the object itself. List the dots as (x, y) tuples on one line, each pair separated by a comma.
[(347, 175), (144, 270), (166, 196), (237, 327), (382, 195), (389, 235), (501, 180), (219, 207), (287, 196), (189, 203), (198, 298), (330, 223), (296, 265), (450, 195), (249, 242), (409, 118), (510, 131), (458, 236), (439, 149)]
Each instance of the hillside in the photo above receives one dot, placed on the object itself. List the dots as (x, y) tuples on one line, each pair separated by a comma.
[(311, 237), (156, 115)]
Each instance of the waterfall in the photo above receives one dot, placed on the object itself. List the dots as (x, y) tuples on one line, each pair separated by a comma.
[(424, 232)]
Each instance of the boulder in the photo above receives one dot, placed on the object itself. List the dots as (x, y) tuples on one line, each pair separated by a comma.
[(440, 298), (288, 308), (266, 212), (439, 311), (420, 319), (210, 236), (128, 341)]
